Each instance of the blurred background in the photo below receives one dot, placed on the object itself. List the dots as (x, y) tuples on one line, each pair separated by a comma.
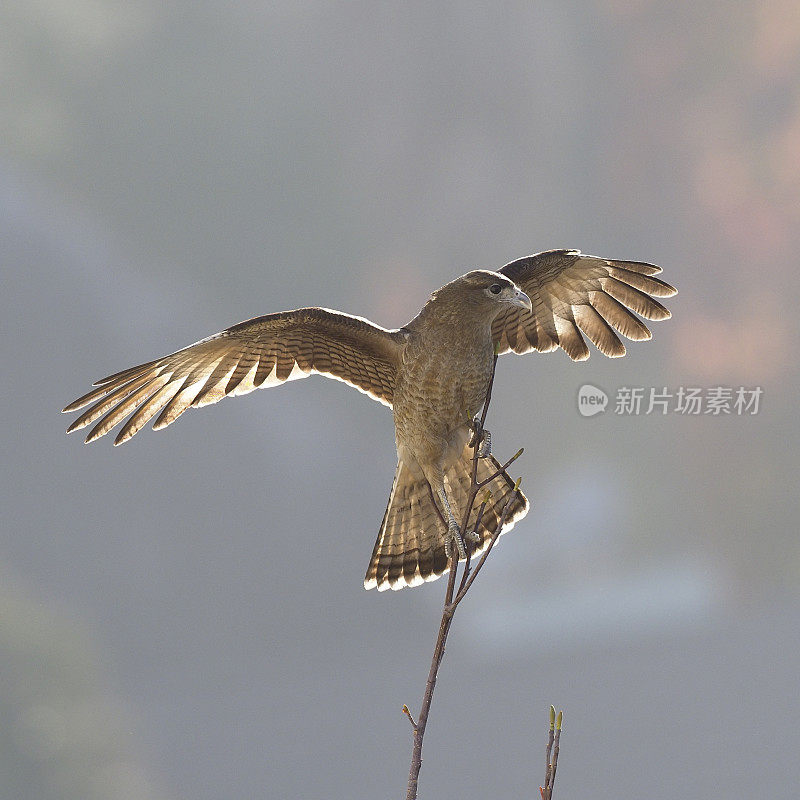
[(184, 617)]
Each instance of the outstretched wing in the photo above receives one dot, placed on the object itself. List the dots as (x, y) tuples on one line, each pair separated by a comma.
[(571, 292), (263, 351)]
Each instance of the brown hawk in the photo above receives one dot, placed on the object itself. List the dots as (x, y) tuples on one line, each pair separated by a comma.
[(433, 373)]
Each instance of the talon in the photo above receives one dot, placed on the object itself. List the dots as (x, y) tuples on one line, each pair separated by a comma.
[(454, 535)]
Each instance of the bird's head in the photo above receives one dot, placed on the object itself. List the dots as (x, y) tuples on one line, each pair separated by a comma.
[(489, 291)]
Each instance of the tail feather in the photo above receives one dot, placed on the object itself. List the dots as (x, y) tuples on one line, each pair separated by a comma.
[(410, 546)]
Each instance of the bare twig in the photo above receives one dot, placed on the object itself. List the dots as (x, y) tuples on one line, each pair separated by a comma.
[(465, 574), (551, 754), (549, 749), (453, 597), (495, 536), (502, 469)]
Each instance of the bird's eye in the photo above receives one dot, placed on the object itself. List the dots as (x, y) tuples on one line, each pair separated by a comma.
[(495, 288)]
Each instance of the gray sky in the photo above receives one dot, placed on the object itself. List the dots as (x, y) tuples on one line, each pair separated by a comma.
[(184, 616)]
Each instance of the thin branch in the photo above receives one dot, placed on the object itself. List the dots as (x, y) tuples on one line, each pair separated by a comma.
[(453, 598), (502, 468), (410, 718), (495, 536), (548, 768), (551, 754), (556, 748), (419, 728), (489, 391), (478, 519)]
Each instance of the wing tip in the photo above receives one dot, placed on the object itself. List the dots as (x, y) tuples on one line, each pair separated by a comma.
[(75, 405)]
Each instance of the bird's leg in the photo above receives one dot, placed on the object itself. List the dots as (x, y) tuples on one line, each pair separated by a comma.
[(453, 529), (481, 438)]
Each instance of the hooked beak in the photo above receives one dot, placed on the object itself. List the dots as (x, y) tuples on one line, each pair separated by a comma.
[(522, 300)]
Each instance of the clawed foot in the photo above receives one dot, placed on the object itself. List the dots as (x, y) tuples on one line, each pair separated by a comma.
[(454, 535)]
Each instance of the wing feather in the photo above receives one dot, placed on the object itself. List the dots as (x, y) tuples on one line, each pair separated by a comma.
[(114, 396), (126, 374), (619, 317), (571, 292), (180, 401), (242, 377), (638, 301), (569, 337), (602, 335), (643, 283), (146, 412), (125, 407), (264, 351)]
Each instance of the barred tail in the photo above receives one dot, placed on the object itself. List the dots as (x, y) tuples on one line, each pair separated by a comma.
[(410, 546)]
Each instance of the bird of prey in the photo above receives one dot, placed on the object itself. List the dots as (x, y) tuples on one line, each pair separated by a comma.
[(433, 373)]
